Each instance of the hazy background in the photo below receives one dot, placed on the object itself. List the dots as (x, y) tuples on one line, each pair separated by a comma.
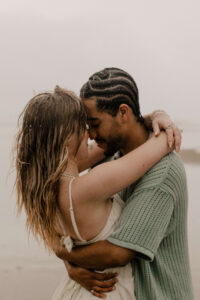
[(44, 43)]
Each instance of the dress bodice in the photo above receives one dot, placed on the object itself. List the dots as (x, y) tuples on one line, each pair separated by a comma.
[(117, 206)]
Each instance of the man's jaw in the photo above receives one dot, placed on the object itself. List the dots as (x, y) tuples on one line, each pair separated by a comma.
[(109, 148), (103, 145), (100, 143)]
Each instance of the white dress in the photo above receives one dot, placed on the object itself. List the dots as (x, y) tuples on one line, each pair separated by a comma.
[(68, 289)]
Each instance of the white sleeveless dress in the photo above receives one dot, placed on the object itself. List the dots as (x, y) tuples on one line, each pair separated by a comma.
[(71, 290)]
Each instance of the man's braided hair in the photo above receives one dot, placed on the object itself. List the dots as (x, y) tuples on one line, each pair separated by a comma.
[(112, 87)]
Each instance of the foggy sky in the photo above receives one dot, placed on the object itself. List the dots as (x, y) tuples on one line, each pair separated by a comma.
[(44, 43)]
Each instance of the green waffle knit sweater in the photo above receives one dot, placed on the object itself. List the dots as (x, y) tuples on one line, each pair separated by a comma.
[(154, 225)]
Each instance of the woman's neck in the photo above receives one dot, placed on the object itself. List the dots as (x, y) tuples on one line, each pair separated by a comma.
[(72, 167)]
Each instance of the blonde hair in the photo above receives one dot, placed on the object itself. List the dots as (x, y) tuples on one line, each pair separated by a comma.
[(49, 120)]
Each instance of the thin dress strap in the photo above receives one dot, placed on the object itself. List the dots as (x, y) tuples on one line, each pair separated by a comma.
[(71, 211)]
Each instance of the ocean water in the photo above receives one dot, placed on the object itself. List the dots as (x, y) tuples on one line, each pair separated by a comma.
[(190, 135), (16, 251)]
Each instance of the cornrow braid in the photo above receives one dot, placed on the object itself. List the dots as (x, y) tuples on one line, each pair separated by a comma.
[(112, 87)]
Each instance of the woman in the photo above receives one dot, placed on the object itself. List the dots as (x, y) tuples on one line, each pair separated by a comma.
[(51, 145)]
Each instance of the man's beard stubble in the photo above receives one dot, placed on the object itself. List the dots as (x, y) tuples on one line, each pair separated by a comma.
[(114, 145)]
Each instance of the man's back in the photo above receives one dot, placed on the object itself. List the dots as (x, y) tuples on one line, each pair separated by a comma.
[(154, 224)]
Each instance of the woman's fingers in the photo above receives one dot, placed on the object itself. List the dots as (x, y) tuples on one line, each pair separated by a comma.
[(170, 136), (177, 138), (161, 121), (156, 128), (172, 131), (174, 136)]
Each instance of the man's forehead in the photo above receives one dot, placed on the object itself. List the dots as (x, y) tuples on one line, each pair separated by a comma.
[(92, 113)]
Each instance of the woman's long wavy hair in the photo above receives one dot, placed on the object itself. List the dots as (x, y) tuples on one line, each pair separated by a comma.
[(49, 121)]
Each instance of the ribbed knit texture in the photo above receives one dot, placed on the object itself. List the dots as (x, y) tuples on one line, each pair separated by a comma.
[(154, 224)]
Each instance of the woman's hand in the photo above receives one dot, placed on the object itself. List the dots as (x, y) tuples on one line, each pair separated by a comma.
[(96, 283), (160, 120)]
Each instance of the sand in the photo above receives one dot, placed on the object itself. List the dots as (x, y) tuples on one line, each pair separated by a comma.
[(29, 284)]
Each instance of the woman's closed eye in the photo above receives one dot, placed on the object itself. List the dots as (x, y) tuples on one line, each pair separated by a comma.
[(94, 125)]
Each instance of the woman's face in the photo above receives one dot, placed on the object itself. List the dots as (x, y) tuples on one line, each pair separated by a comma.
[(83, 148)]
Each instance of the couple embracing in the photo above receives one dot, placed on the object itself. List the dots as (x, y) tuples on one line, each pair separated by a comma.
[(121, 228)]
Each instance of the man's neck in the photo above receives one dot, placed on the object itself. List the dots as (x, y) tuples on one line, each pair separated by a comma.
[(135, 137)]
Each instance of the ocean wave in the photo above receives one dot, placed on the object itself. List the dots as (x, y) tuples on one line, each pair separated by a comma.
[(190, 156)]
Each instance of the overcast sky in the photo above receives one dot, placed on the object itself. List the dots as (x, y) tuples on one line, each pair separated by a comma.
[(45, 42)]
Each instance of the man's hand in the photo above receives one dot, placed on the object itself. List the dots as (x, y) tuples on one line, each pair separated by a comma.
[(160, 120), (94, 282)]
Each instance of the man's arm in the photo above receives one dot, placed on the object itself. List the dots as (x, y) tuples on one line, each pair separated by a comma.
[(147, 216), (141, 227), (96, 283), (103, 254), (98, 256)]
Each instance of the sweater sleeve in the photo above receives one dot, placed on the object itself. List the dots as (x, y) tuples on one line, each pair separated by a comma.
[(144, 221)]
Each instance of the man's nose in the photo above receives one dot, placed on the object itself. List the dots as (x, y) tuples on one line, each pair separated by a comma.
[(92, 134)]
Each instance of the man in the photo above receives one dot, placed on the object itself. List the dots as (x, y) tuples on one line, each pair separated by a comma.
[(152, 230)]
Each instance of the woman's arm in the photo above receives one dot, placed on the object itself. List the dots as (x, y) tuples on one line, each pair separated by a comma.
[(111, 177), (95, 155), (157, 120)]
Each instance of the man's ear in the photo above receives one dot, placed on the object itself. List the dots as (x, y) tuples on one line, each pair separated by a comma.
[(123, 112)]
